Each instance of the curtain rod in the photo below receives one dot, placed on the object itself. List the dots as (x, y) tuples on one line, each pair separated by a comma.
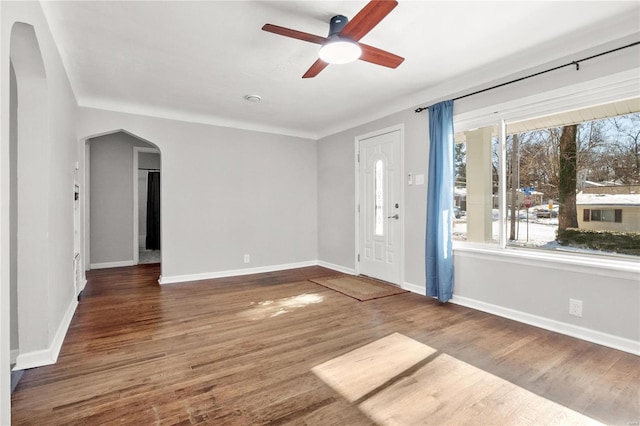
[(151, 170), (572, 63)]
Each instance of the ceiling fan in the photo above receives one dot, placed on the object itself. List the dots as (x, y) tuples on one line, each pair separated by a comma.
[(342, 44)]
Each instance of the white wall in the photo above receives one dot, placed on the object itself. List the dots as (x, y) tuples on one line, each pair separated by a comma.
[(226, 193), (609, 319), (111, 198), (46, 327)]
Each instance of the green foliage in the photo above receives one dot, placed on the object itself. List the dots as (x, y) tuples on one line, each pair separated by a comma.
[(615, 242)]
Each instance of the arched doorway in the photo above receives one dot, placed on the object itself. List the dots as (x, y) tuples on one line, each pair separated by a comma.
[(117, 165)]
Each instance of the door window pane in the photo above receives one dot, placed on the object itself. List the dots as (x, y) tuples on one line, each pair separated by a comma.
[(379, 206)]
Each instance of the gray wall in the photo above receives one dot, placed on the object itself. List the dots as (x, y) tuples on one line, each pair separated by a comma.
[(225, 193), (336, 193), (542, 297), (13, 215), (538, 292), (111, 194), (148, 160), (46, 155)]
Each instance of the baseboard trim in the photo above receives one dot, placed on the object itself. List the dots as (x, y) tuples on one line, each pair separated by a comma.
[(48, 356), (338, 268), (604, 339), (233, 273), (112, 264), (414, 288)]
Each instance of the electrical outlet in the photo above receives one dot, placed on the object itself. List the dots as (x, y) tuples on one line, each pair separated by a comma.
[(575, 307), (247, 258)]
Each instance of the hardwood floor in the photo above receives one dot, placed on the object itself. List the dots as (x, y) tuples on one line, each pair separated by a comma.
[(240, 351)]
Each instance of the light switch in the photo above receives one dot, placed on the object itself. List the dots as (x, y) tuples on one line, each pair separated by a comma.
[(419, 179)]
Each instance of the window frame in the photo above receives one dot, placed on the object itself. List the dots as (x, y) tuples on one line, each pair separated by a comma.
[(610, 89)]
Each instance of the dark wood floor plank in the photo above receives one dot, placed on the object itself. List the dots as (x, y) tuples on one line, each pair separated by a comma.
[(239, 351)]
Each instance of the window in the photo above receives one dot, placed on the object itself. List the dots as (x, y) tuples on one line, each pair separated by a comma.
[(536, 153), (598, 215)]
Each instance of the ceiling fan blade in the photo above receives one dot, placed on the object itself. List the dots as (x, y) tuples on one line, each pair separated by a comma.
[(288, 32), (379, 56), (367, 18), (315, 69)]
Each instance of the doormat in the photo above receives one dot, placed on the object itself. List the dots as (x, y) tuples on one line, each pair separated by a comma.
[(360, 288)]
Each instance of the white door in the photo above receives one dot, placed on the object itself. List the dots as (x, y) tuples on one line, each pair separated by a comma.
[(380, 206)]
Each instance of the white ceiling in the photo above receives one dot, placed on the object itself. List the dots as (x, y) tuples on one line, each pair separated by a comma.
[(195, 61)]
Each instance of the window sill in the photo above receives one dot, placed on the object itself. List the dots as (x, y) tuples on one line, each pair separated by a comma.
[(554, 259)]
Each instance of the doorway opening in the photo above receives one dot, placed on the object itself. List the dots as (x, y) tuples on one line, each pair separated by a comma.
[(147, 163), (119, 167)]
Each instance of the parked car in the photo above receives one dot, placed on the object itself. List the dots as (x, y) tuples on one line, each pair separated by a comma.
[(545, 213), (522, 214)]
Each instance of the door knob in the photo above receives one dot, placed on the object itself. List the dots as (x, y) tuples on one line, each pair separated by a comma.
[(395, 216)]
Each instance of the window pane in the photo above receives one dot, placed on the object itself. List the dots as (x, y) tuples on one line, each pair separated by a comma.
[(379, 206), (540, 162), (607, 215), (606, 173), (476, 186), (532, 213)]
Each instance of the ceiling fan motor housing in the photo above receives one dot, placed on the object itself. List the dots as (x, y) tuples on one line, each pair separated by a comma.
[(337, 24)]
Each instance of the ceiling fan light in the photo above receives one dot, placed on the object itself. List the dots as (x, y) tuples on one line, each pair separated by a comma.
[(340, 51)]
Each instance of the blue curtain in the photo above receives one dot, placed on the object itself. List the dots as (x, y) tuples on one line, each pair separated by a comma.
[(439, 252)]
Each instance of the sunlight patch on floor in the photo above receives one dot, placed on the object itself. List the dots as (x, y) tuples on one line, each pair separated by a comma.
[(274, 308), (399, 381), (355, 374)]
